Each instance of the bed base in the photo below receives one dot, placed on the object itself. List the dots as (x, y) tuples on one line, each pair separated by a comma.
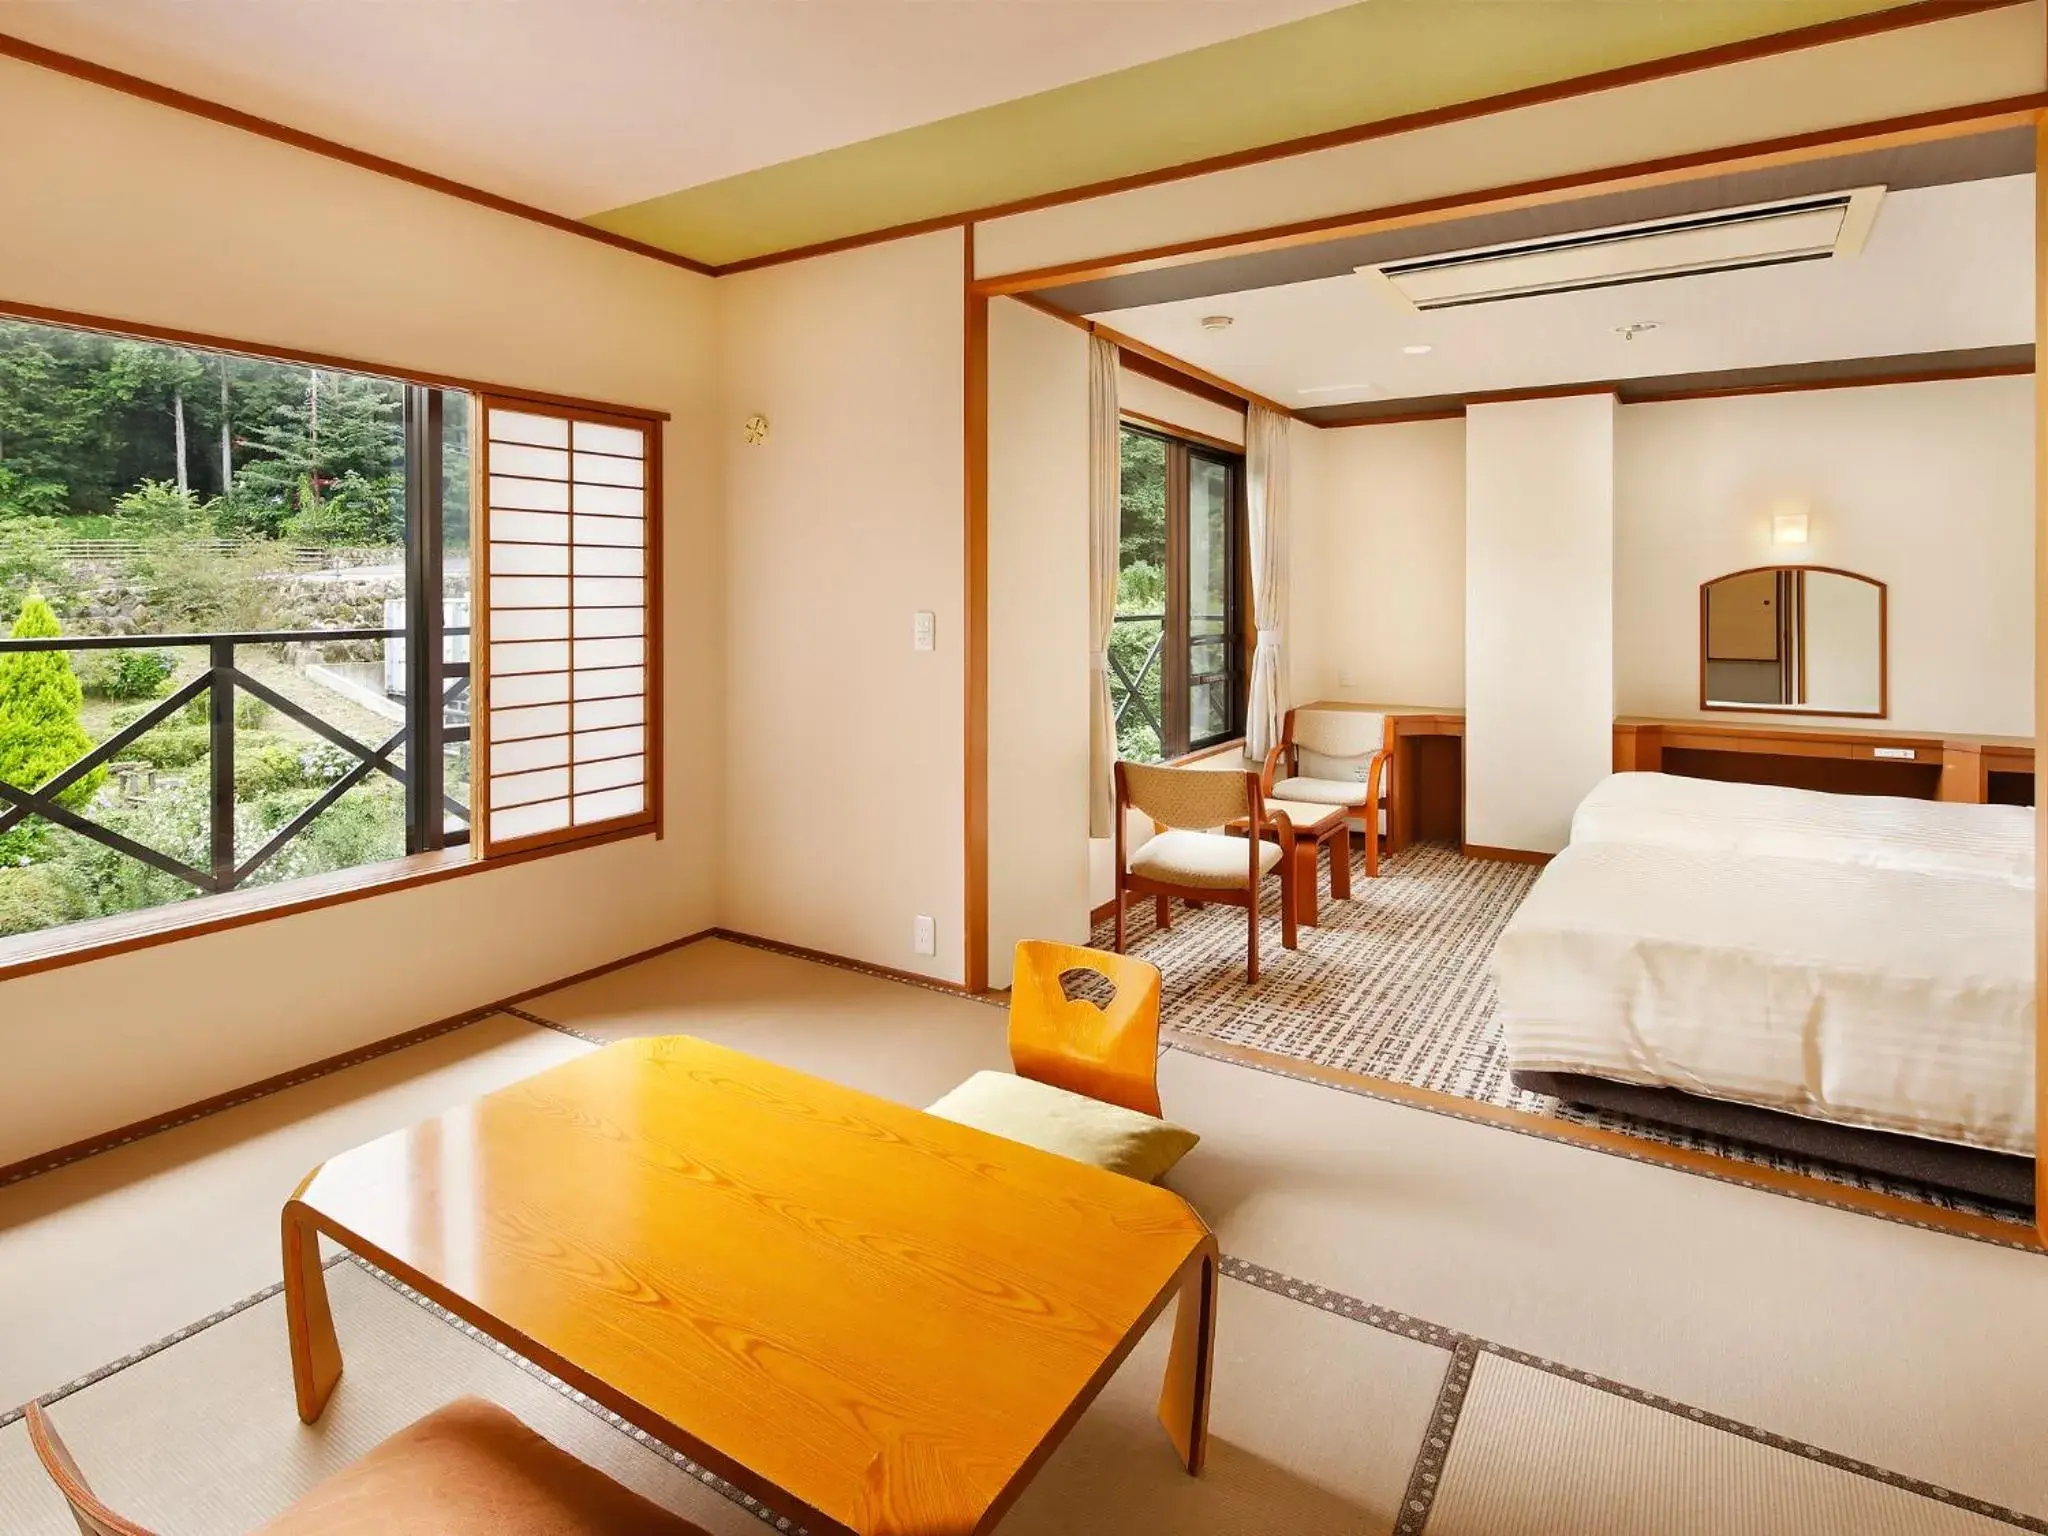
[(2000, 1177)]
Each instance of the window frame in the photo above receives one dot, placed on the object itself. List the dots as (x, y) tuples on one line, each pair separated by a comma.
[(649, 818), (1175, 683), (122, 933)]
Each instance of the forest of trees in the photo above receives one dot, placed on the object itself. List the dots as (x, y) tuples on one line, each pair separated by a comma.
[(1141, 589), (106, 438), (156, 490)]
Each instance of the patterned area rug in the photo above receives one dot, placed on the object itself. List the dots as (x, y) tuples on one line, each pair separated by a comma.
[(1395, 984)]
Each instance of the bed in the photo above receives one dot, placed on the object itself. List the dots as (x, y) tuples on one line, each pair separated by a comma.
[(1870, 831), (1839, 977)]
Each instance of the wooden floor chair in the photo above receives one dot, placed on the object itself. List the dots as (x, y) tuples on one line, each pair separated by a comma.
[(470, 1469), (1106, 1051), (1085, 1083)]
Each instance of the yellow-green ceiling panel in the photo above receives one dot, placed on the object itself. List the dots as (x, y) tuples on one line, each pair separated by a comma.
[(1358, 64)]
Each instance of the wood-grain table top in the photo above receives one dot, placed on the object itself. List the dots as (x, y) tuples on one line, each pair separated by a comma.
[(888, 1317)]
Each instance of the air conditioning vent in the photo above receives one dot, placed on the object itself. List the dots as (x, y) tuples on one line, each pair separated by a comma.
[(1723, 240)]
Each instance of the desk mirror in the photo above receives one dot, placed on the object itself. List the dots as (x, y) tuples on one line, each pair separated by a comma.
[(1795, 639)]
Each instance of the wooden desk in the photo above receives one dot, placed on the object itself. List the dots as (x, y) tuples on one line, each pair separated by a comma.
[(1425, 795), (872, 1319), (1868, 761)]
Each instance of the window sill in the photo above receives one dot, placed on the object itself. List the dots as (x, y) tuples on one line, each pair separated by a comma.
[(99, 938)]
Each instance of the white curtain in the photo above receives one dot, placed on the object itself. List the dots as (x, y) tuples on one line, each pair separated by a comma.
[(1105, 535), (1266, 505)]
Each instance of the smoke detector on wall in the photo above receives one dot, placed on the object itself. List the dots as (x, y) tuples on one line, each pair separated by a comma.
[(1818, 228)]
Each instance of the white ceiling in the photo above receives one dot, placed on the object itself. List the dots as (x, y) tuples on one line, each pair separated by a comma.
[(1946, 268), (584, 105)]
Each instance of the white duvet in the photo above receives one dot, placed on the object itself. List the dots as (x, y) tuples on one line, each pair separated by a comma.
[(1886, 997), (1876, 831)]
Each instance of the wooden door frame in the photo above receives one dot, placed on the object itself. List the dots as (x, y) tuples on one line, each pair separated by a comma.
[(2040, 656)]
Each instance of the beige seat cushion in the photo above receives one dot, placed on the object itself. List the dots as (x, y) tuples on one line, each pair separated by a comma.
[(472, 1469), (1054, 1120), (1207, 859), (1324, 792)]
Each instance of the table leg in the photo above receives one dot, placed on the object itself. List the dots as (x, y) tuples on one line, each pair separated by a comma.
[(1340, 862), (316, 1354), (1184, 1400), (1307, 904)]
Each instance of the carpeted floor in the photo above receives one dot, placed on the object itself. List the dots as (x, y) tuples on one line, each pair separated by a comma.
[(1394, 984)]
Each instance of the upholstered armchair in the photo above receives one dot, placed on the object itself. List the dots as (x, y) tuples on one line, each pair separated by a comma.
[(1191, 857), (1335, 757)]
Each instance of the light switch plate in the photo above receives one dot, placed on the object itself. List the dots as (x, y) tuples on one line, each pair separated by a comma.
[(924, 936), (924, 630)]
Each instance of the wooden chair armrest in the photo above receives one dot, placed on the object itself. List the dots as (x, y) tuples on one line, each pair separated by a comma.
[(1374, 774), (1271, 770)]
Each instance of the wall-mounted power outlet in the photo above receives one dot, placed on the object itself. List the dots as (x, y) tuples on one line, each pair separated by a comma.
[(1345, 678), (924, 936), (924, 630)]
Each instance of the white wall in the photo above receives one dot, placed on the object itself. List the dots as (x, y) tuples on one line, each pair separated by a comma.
[(843, 745), (1147, 396), (1038, 640), (1379, 564), (1926, 487), (133, 211), (1539, 616)]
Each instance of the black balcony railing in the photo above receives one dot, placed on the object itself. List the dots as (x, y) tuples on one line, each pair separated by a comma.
[(1134, 682), (429, 806)]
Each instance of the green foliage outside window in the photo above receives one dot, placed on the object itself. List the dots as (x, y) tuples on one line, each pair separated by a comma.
[(40, 735), (1141, 590), (152, 489)]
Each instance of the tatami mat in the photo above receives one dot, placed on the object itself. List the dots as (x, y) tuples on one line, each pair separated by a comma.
[(102, 1257), (903, 1042), (1851, 1336), (1538, 1455), (1316, 1422), (202, 1439), (1880, 1341)]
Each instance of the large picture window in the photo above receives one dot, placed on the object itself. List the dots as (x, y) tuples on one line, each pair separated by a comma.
[(1176, 649), (236, 618)]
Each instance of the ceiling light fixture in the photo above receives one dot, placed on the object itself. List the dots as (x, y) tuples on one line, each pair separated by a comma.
[(1419, 349), (1217, 322)]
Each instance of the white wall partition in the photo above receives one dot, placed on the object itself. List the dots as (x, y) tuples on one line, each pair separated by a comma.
[(843, 817), (1539, 616), (1379, 564), (1037, 632)]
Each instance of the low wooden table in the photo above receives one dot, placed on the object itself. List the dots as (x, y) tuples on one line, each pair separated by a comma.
[(873, 1320), (1314, 825)]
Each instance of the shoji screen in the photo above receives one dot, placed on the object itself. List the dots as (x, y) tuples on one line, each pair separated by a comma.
[(569, 742)]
